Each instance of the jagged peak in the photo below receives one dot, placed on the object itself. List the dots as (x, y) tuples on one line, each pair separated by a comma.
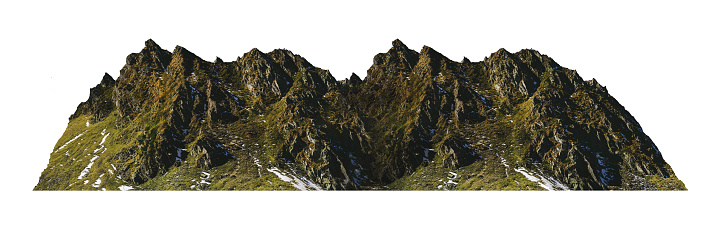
[(283, 51), (151, 47), (107, 77), (151, 44), (281, 55), (465, 60), (430, 62), (386, 125), (183, 53), (399, 54), (502, 52), (254, 53), (574, 76), (544, 59), (501, 55), (106, 81), (354, 79), (594, 83), (218, 60), (151, 56), (182, 61), (400, 49), (597, 85), (431, 53), (181, 50), (399, 45), (530, 51)]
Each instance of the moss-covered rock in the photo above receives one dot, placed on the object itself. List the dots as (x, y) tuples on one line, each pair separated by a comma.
[(417, 121)]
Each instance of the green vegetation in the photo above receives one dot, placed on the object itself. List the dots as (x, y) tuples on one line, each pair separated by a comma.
[(418, 121)]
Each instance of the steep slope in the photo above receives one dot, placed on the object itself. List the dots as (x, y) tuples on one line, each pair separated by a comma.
[(417, 121), (414, 102)]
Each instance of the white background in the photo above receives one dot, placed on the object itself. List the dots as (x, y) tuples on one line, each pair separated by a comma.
[(659, 59)]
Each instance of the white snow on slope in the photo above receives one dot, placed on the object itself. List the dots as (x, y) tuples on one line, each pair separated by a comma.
[(545, 182), (104, 137), (449, 180), (299, 183), (97, 181), (125, 188), (528, 175), (258, 165), (504, 162), (87, 168), (71, 140)]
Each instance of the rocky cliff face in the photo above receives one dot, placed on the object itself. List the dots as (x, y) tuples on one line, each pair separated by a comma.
[(515, 121)]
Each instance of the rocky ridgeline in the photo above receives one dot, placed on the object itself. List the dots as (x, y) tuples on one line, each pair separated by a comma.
[(417, 121)]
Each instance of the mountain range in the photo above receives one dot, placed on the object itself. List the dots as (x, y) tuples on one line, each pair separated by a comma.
[(417, 121)]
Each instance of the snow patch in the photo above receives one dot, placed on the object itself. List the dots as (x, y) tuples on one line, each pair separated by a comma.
[(125, 188), (104, 137), (97, 182), (527, 175), (66, 144), (302, 184), (449, 181), (256, 161), (87, 168), (504, 162), (545, 182)]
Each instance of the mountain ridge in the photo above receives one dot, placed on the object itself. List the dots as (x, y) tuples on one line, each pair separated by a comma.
[(417, 121)]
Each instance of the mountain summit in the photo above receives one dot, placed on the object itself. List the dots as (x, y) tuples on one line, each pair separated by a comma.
[(417, 121)]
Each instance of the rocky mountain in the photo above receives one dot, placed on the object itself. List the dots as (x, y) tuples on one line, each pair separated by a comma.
[(417, 121)]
